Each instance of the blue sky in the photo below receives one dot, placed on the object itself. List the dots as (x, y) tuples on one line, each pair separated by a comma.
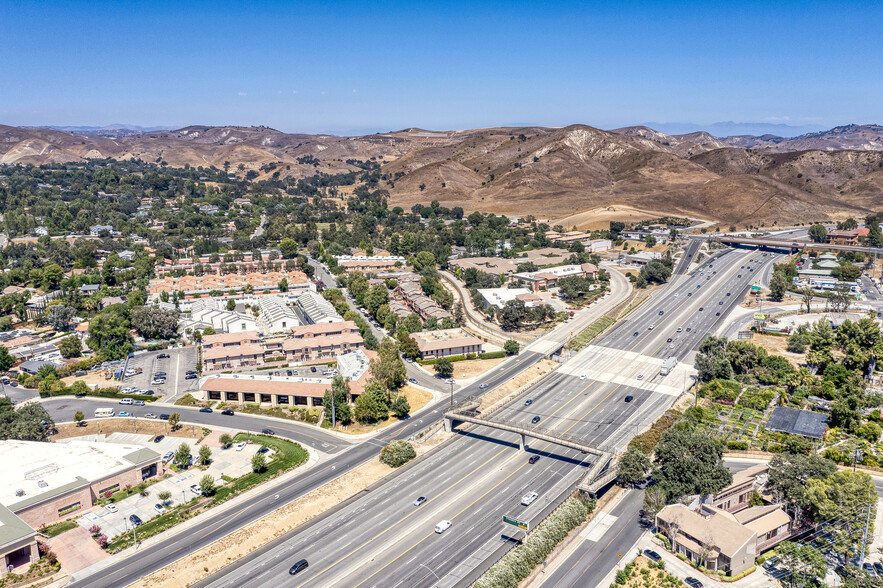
[(361, 67)]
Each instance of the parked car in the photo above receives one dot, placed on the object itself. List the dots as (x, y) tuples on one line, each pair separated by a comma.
[(652, 555), (191, 376), (420, 500), (150, 415), (159, 508), (163, 417), (195, 489), (241, 446), (135, 520), (168, 457), (162, 356), (111, 507), (159, 438), (124, 413), (205, 409), (138, 403), (692, 582)]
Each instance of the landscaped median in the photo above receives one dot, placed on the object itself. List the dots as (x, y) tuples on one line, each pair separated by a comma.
[(588, 334), (520, 562), (287, 455)]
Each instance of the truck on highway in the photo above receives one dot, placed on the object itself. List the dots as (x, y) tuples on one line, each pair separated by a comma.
[(668, 365)]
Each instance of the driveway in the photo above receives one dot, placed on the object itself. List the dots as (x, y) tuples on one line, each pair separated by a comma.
[(76, 550)]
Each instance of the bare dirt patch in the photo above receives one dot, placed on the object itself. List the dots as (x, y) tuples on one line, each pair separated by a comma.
[(525, 377), (471, 368), (237, 544), (599, 218), (117, 425), (92, 379), (778, 346)]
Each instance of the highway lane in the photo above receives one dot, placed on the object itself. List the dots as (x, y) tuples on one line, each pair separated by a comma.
[(209, 529), (386, 557)]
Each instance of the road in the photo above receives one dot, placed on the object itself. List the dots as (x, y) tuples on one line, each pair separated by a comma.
[(380, 539)]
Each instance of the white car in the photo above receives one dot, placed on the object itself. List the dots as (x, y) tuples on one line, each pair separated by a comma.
[(640, 376), (111, 507), (529, 498), (443, 526), (195, 489), (159, 508), (582, 377), (241, 446)]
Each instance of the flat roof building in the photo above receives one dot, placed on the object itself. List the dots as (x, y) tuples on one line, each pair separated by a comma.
[(446, 342)]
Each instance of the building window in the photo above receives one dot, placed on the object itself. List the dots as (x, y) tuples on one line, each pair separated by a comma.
[(265, 398), (214, 395), (71, 508), (281, 399), (248, 397), (109, 490)]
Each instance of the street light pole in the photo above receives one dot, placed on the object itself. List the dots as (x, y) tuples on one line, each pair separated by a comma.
[(452, 393)]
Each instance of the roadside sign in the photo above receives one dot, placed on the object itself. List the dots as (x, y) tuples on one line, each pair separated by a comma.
[(515, 522), (761, 316)]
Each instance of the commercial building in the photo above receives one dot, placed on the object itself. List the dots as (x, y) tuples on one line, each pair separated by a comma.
[(370, 264), (18, 543), (723, 532), (303, 388), (548, 278), (841, 237), (496, 266), (446, 342), (498, 297), (642, 257), (44, 483)]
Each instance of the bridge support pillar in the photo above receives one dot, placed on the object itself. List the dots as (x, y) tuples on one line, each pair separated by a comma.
[(522, 445), (449, 425)]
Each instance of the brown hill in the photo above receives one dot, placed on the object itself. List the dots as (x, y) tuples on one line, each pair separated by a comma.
[(847, 137), (549, 172)]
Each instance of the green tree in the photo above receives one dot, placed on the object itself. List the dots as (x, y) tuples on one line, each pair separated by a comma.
[(205, 454), (803, 563), (25, 423), (165, 496), (818, 233), (377, 296), (843, 499), (53, 274), (397, 453), (358, 286), (231, 305), (689, 462), (340, 390), (174, 420), (207, 485), (371, 406), (109, 332), (790, 472), (412, 323), (7, 360), (807, 294), (283, 285), (226, 440), (444, 367), (79, 418), (778, 285), (388, 368), (182, 455), (654, 501), (407, 344), (288, 248), (59, 316), (154, 322), (258, 463), (511, 347), (70, 346), (400, 407), (633, 466)]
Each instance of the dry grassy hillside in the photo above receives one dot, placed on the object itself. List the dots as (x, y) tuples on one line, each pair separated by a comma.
[(548, 172)]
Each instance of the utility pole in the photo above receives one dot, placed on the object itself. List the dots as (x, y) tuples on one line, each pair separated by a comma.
[(865, 537), (452, 393), (333, 410)]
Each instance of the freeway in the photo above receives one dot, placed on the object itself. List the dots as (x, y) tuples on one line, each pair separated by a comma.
[(381, 539)]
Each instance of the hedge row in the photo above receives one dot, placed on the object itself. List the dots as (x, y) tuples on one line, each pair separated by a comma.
[(453, 358), (520, 562), (100, 393)]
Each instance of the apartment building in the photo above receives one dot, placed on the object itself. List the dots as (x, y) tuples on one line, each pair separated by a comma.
[(312, 308), (446, 342), (411, 295)]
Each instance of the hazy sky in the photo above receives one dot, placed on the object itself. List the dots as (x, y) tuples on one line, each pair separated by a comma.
[(350, 67)]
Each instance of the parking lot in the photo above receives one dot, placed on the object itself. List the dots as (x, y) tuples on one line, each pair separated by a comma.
[(175, 367), (229, 462)]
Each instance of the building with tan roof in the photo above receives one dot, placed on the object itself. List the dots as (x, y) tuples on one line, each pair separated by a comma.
[(446, 342)]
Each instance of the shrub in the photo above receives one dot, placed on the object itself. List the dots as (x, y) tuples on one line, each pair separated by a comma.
[(102, 541), (665, 540), (397, 453), (95, 530), (737, 445)]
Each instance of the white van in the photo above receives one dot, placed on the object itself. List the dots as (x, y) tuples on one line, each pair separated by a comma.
[(126, 401), (104, 412), (528, 498), (443, 526)]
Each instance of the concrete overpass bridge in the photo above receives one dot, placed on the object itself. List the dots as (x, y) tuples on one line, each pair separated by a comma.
[(601, 472), (790, 245)]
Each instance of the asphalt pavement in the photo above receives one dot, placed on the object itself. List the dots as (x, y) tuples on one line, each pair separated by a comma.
[(379, 539)]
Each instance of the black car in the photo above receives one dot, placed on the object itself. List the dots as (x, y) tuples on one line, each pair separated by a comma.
[(701, 308), (878, 567), (636, 334), (268, 431), (206, 409), (191, 376), (299, 567), (288, 373), (721, 303), (227, 412), (312, 369), (534, 459), (717, 314), (159, 374), (689, 294), (692, 582), (629, 398), (668, 340), (535, 420), (159, 438), (528, 402), (135, 520), (652, 555), (163, 417), (162, 356)]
